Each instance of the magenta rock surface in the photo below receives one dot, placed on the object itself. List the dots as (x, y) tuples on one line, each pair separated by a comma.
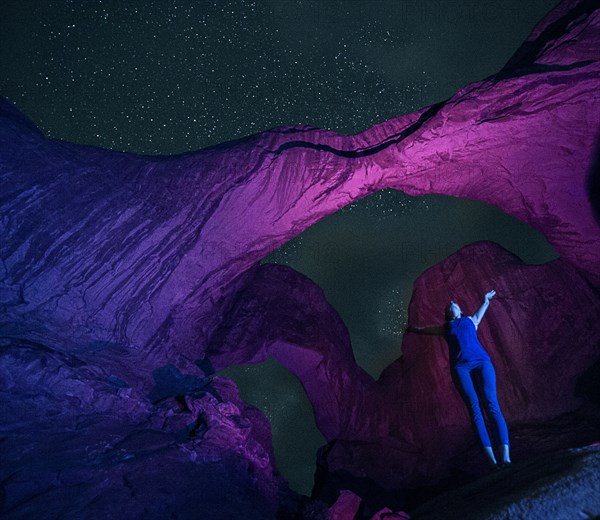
[(345, 507), (541, 331), (387, 514), (120, 272)]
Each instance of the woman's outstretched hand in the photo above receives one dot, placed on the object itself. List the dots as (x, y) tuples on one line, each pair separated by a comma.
[(489, 296)]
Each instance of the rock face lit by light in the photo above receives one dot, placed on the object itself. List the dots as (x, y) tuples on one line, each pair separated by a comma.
[(122, 273)]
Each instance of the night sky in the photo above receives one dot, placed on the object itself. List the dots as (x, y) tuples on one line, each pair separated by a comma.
[(166, 77)]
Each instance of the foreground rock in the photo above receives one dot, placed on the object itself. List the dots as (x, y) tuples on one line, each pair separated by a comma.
[(558, 484), (78, 442)]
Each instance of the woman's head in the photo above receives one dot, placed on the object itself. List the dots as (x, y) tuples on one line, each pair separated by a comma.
[(453, 311)]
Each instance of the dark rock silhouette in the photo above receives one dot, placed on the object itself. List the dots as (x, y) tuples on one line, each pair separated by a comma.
[(559, 484), (127, 280)]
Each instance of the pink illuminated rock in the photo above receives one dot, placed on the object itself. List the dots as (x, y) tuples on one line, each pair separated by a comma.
[(387, 514), (541, 331), (345, 507), (543, 336), (120, 271)]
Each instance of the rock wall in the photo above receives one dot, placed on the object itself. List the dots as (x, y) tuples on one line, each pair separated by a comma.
[(121, 274)]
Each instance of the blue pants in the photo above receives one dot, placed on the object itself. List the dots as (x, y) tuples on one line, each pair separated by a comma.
[(480, 373)]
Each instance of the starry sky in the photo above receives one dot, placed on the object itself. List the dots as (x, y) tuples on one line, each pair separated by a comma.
[(166, 77)]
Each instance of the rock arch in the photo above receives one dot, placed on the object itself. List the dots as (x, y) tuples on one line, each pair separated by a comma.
[(130, 262)]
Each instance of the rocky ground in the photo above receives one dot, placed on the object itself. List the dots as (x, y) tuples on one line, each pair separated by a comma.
[(559, 484)]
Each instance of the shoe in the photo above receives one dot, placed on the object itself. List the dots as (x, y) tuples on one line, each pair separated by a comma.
[(504, 464)]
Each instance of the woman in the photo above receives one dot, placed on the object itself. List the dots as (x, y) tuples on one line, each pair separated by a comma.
[(468, 358)]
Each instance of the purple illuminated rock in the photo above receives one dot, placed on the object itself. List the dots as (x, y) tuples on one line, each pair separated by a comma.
[(115, 265), (139, 250), (79, 442)]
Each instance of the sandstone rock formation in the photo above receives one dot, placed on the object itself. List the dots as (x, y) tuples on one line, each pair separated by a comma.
[(122, 275)]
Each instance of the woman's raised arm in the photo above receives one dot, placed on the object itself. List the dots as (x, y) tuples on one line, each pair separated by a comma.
[(432, 330), (486, 303)]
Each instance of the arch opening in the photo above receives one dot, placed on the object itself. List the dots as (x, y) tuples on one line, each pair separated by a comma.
[(366, 257)]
